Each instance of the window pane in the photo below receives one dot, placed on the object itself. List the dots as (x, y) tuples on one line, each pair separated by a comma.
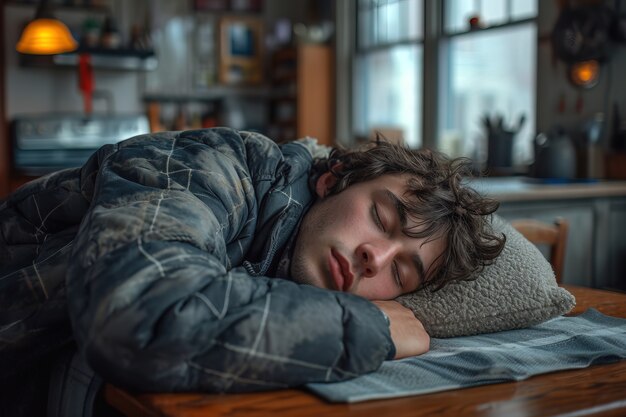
[(394, 22), (523, 9), (458, 13), (387, 21), (381, 23), (412, 12), (493, 12), (388, 91), (364, 27), (487, 76)]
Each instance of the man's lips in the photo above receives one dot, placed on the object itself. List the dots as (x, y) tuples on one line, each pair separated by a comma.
[(340, 271)]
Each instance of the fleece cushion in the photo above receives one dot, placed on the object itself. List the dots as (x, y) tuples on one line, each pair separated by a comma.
[(516, 291)]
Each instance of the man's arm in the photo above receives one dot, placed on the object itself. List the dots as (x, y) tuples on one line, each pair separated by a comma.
[(407, 332), (154, 302)]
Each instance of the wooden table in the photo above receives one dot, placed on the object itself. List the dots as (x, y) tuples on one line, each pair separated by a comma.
[(595, 391)]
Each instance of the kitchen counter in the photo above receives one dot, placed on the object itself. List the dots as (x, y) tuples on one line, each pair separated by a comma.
[(512, 189), (595, 211)]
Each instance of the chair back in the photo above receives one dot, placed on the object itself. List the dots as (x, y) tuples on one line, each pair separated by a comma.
[(554, 235)]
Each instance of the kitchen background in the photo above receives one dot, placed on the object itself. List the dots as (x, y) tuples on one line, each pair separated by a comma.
[(182, 36), (489, 79), (167, 62)]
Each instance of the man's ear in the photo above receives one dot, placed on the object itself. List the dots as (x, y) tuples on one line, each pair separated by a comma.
[(324, 183)]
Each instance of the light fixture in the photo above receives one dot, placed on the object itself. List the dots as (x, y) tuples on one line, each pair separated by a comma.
[(45, 35), (585, 74)]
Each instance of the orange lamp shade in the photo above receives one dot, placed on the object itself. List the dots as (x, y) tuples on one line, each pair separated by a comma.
[(46, 37), (585, 73)]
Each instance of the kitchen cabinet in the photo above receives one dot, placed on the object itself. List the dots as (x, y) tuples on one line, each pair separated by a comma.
[(596, 212), (615, 255), (302, 102)]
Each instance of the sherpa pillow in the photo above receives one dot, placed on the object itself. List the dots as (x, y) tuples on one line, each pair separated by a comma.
[(517, 290)]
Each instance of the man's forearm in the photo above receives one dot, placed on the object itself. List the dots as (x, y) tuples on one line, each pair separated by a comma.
[(407, 332)]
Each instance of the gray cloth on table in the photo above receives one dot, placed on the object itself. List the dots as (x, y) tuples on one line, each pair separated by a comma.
[(514, 355)]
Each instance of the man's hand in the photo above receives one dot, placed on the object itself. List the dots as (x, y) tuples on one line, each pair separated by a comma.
[(407, 332)]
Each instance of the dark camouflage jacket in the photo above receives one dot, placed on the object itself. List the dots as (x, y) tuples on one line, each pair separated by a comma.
[(158, 251)]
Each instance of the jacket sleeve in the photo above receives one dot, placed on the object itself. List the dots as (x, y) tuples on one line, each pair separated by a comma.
[(157, 306)]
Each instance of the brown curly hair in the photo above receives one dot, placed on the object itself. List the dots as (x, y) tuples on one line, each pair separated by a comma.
[(437, 199)]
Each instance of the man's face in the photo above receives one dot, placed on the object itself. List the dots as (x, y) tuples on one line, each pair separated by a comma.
[(354, 241)]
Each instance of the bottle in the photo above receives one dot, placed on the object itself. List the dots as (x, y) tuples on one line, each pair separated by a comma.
[(595, 155), (111, 38)]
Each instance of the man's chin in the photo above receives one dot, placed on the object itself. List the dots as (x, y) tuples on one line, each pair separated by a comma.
[(308, 280), (301, 275)]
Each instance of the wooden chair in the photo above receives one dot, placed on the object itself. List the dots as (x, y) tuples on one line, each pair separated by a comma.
[(553, 235)]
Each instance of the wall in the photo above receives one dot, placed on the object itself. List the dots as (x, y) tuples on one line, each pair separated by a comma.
[(31, 90), (35, 90), (552, 83), (188, 40)]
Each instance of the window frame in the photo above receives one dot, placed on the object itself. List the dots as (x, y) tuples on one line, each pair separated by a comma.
[(360, 52), (434, 42)]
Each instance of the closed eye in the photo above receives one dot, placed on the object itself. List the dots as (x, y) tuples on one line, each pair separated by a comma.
[(396, 274), (376, 218), (394, 265)]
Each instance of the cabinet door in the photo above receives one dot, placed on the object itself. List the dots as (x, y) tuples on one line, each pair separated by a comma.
[(616, 246), (579, 253), (315, 93)]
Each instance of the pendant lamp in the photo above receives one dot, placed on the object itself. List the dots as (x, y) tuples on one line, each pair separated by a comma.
[(45, 35)]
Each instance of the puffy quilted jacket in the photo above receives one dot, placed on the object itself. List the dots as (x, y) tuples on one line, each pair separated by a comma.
[(160, 250)]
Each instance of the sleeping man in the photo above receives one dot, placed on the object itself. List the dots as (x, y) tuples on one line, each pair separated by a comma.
[(216, 260)]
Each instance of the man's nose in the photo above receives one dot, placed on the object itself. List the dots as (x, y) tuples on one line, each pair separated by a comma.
[(374, 257)]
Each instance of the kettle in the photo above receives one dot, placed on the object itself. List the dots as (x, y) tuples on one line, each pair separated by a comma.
[(555, 155)]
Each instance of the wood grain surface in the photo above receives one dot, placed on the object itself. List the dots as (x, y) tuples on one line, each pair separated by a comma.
[(595, 391)]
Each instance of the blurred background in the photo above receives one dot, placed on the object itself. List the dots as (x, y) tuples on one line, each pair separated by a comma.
[(462, 76), (532, 91)]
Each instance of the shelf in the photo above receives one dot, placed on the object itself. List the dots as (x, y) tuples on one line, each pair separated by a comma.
[(115, 59), (302, 101), (284, 123), (81, 8), (285, 78), (215, 93), (118, 52)]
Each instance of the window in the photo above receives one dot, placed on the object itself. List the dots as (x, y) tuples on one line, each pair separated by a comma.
[(486, 70), (388, 68)]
